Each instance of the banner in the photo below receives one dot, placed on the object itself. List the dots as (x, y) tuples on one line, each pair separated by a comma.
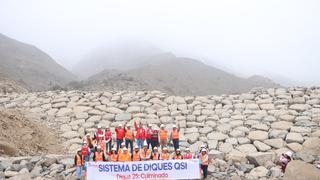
[(168, 169)]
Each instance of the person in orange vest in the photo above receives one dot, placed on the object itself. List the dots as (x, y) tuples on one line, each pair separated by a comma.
[(100, 142), (129, 137), (204, 159), (113, 155), (155, 154), (108, 139), (120, 133), (175, 137), (123, 145), (145, 153), (78, 163), (163, 136), (99, 155), (125, 156), (187, 155), (136, 154), (165, 154), (177, 155)]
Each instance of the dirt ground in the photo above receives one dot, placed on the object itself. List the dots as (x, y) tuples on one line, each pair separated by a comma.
[(21, 136)]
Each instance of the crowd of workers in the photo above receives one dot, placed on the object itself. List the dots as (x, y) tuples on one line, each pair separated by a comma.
[(135, 144)]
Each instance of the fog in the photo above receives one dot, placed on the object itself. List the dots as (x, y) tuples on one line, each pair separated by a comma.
[(276, 38)]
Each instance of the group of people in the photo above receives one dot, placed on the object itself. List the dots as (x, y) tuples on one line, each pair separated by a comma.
[(135, 144)]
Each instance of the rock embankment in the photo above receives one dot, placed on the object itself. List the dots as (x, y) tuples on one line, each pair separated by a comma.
[(245, 133)]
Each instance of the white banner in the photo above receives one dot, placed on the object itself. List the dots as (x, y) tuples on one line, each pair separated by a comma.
[(168, 169)]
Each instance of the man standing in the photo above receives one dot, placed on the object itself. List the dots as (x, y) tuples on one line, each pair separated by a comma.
[(175, 137), (78, 163), (204, 159), (141, 134), (149, 135), (154, 138), (120, 133), (163, 136), (108, 139), (129, 138)]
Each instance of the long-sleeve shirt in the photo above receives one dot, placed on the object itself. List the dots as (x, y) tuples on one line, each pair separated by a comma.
[(120, 133), (141, 133)]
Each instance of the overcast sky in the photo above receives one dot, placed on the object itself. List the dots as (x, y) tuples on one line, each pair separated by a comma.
[(268, 37)]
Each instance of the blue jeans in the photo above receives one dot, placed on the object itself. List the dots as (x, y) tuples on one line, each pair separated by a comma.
[(79, 172), (119, 142), (140, 143), (175, 144)]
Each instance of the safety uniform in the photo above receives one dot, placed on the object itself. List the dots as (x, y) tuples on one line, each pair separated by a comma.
[(165, 156), (145, 155), (187, 156), (114, 157), (136, 156), (124, 157)]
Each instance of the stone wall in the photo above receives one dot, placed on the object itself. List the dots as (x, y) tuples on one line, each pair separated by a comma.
[(245, 133)]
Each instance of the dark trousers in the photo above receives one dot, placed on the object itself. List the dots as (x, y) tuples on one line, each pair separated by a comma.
[(149, 142), (129, 142), (175, 144), (204, 170), (119, 142), (109, 146), (154, 143)]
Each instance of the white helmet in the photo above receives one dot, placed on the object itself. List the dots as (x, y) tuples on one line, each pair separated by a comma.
[(123, 144), (204, 150), (162, 125), (120, 125), (155, 148), (136, 147), (187, 149), (145, 144), (289, 153), (125, 149), (113, 149), (98, 147), (165, 148), (149, 125), (174, 126), (99, 126)]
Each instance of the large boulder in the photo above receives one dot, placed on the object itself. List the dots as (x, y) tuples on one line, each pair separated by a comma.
[(260, 158), (258, 135), (299, 170), (294, 137)]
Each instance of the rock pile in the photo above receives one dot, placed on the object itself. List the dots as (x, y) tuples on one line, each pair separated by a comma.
[(245, 133)]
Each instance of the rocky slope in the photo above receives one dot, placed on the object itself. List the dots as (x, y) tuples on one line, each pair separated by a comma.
[(176, 76), (245, 133), (29, 66)]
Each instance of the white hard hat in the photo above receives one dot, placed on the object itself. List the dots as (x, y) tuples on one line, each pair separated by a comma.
[(165, 148), (178, 150), (204, 150), (155, 148), (145, 144), (98, 147), (99, 126), (113, 149), (84, 142), (88, 134), (187, 149), (149, 125), (162, 125), (203, 146), (120, 125), (174, 126), (289, 153), (125, 149), (123, 144), (136, 147)]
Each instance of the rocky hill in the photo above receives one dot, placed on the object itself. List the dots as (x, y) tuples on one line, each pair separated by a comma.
[(29, 66), (245, 133), (176, 76)]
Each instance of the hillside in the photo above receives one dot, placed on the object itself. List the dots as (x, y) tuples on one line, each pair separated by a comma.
[(29, 66), (175, 75)]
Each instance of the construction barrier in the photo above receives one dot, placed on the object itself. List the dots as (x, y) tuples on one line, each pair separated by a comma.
[(169, 169)]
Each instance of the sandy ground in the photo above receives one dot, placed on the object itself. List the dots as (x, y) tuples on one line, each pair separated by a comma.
[(21, 136)]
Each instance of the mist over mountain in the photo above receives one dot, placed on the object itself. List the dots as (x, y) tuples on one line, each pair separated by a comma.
[(171, 74), (29, 66)]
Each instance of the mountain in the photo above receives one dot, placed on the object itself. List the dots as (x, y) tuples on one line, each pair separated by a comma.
[(120, 56), (29, 66), (175, 75)]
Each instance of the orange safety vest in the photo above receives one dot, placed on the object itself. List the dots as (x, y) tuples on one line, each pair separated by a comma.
[(113, 157), (99, 156), (175, 134), (155, 156), (79, 160), (129, 134), (204, 159), (176, 157), (136, 156), (144, 154), (165, 156), (102, 144), (125, 157), (163, 134), (120, 152)]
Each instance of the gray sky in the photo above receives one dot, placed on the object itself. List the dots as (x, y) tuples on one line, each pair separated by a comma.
[(274, 37)]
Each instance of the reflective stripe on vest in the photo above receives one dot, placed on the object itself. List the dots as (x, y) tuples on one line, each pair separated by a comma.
[(187, 156), (144, 154), (163, 134), (165, 156), (155, 156), (136, 156), (177, 157), (79, 161), (99, 156), (175, 134), (129, 135), (125, 157)]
